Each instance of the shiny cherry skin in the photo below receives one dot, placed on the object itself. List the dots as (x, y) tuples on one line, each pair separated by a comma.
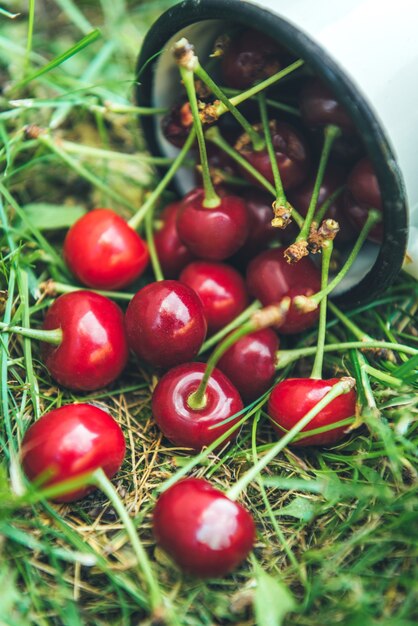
[(94, 348), (70, 441), (270, 278), (292, 398), (300, 198), (172, 253), (319, 107), (221, 289), (249, 57), (207, 534), (250, 363), (292, 156), (104, 252), (165, 323), (188, 427), (213, 234), (363, 194)]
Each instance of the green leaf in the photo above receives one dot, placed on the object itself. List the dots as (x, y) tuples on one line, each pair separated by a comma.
[(302, 508), (53, 216), (272, 600)]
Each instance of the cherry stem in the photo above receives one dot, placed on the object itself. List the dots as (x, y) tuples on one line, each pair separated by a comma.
[(282, 106), (103, 483), (211, 199), (322, 324), (213, 135), (136, 219), (51, 287), (256, 140), (274, 314), (349, 324), (342, 387), (284, 358), (155, 261), (373, 217), (240, 319), (331, 132), (319, 215), (281, 199), (48, 336)]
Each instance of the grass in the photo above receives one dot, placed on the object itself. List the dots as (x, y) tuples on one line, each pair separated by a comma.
[(337, 540)]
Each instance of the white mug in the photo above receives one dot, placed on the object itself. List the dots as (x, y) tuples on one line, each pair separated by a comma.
[(366, 51)]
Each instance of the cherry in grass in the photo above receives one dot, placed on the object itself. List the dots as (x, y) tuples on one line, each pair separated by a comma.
[(84, 345), (172, 253), (220, 288), (364, 193), (270, 278), (104, 252), (205, 532), (68, 442), (165, 323)]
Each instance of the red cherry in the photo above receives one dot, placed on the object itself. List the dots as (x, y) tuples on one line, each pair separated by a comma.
[(103, 251), (301, 197), (250, 363), (205, 532), (172, 253), (165, 323), (291, 155), (363, 194), (176, 124), (94, 350), (259, 205), (221, 290), (251, 56), (293, 398), (188, 427), (71, 441), (319, 107), (213, 234), (270, 278)]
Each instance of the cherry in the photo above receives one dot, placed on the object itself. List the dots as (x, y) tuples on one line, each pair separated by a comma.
[(165, 323), (250, 363), (221, 290), (291, 154), (179, 420), (364, 193), (103, 251), (319, 107), (251, 56), (293, 398), (270, 278), (205, 532), (172, 253), (259, 205), (176, 124), (93, 350), (70, 441), (213, 233), (300, 198)]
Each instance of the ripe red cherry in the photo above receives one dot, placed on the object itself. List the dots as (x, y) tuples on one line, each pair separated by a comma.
[(188, 427), (94, 350), (250, 56), (221, 290), (250, 363), (213, 234), (270, 278), (103, 251), (364, 193), (165, 323), (293, 398), (71, 441), (319, 107), (172, 253), (206, 533), (259, 205), (291, 154)]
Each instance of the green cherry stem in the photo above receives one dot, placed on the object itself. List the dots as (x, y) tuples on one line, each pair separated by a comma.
[(137, 218), (273, 315), (149, 233), (342, 387), (320, 214), (240, 319), (331, 132), (274, 104), (257, 141), (52, 288), (349, 324), (322, 325), (53, 337)]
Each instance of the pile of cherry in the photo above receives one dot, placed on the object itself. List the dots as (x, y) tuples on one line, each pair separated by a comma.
[(86, 338)]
